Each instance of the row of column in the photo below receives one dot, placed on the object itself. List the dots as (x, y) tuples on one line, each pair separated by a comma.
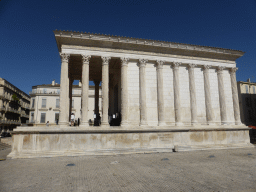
[(142, 88)]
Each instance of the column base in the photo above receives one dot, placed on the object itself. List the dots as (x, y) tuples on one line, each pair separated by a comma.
[(143, 123), (179, 123), (162, 124), (194, 123), (238, 123)]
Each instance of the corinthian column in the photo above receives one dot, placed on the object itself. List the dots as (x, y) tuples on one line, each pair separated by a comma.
[(64, 91), (176, 86), (192, 91), (235, 96), (85, 90), (105, 81), (207, 91), (160, 93), (223, 109), (143, 104), (124, 91)]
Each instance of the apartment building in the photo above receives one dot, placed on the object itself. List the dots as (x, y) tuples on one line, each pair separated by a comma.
[(247, 101), (14, 106), (45, 103)]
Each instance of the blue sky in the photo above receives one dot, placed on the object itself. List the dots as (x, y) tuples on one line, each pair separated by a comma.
[(29, 54)]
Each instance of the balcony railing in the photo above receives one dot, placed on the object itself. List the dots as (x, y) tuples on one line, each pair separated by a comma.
[(44, 92), (15, 122)]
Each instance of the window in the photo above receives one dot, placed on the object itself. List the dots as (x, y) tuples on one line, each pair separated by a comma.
[(253, 90), (43, 103), (32, 117), (56, 117), (42, 117), (33, 103), (72, 103), (57, 103), (44, 90), (246, 88), (58, 91)]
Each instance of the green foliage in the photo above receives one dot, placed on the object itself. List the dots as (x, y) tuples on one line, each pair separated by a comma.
[(15, 98)]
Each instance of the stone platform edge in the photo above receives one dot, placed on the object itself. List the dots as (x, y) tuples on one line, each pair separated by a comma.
[(112, 130)]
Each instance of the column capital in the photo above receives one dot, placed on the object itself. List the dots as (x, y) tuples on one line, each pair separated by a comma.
[(206, 67), (64, 57), (220, 69), (142, 62), (191, 65), (233, 70), (105, 60), (175, 65), (160, 64), (124, 61), (86, 59)]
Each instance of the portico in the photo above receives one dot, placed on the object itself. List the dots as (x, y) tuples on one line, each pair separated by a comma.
[(170, 96)]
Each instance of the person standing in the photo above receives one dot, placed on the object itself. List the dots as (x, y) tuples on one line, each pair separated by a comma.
[(72, 119)]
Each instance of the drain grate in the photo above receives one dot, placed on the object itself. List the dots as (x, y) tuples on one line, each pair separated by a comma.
[(70, 164), (211, 156)]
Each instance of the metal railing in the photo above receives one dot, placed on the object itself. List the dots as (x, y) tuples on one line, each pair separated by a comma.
[(44, 92)]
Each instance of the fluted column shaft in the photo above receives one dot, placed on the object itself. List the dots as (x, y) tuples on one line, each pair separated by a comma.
[(160, 93), (105, 82), (85, 89), (207, 91), (235, 96), (142, 79), (64, 91), (124, 91), (192, 90), (223, 108), (176, 87)]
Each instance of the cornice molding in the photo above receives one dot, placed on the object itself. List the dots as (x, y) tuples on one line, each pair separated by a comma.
[(148, 42)]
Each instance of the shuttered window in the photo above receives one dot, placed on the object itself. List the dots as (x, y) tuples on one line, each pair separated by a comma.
[(43, 115), (57, 103), (43, 103)]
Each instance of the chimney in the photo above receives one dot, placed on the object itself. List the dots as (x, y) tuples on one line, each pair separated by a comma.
[(80, 84), (248, 80), (53, 82)]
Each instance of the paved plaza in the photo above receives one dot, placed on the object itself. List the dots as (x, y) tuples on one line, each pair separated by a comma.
[(213, 170)]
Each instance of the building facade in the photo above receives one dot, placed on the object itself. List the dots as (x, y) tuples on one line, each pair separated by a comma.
[(247, 101), (14, 106), (170, 97), (45, 104)]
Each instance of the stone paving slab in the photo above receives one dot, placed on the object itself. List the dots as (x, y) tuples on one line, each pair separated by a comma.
[(214, 170)]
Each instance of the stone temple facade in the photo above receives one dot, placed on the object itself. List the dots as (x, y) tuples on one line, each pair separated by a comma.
[(171, 97)]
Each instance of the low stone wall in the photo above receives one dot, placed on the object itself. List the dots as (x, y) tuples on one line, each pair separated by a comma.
[(49, 143)]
